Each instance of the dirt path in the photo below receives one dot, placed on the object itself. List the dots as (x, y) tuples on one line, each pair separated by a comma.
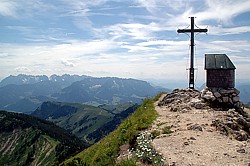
[(194, 141)]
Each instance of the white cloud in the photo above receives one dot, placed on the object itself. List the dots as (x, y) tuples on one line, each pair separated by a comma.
[(157, 6), (135, 31), (226, 46), (219, 30), (23, 9), (161, 42), (132, 31), (143, 45), (8, 8), (4, 55), (67, 63), (22, 69), (224, 10), (52, 56)]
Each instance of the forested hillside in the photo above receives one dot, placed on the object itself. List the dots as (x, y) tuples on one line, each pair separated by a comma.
[(27, 140)]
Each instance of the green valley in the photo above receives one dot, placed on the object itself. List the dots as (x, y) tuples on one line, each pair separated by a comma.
[(106, 150), (87, 122)]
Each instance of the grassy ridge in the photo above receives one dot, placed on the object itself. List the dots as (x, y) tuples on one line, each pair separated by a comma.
[(106, 151)]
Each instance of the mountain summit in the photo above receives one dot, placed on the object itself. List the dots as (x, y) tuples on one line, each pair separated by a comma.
[(201, 133)]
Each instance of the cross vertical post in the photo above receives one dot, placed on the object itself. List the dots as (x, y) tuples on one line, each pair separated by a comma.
[(192, 31), (191, 70)]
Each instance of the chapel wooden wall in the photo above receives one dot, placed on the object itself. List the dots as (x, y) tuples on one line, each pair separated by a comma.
[(221, 78)]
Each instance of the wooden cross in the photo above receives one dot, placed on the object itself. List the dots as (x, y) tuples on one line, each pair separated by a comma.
[(192, 31)]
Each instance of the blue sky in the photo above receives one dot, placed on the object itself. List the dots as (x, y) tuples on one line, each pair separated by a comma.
[(122, 38)]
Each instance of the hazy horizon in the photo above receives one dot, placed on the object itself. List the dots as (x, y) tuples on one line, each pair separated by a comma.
[(165, 83)]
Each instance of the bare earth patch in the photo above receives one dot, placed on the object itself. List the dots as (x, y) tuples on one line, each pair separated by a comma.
[(194, 140)]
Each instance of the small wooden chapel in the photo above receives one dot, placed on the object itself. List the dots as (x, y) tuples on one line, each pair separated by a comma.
[(220, 71)]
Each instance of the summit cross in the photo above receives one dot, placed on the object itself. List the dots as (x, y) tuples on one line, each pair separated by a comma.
[(192, 31)]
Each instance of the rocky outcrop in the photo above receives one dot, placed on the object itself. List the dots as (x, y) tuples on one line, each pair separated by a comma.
[(182, 100), (233, 120), (224, 98), (233, 125), (200, 134)]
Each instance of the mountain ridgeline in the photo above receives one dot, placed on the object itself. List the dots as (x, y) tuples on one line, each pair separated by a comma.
[(24, 93), (22, 79), (90, 123), (106, 91), (68, 113), (27, 140), (245, 93)]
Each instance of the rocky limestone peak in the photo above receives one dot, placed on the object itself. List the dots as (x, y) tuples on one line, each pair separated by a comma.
[(183, 100), (233, 120), (202, 132)]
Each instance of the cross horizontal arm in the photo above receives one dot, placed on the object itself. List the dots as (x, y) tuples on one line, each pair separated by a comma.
[(189, 30)]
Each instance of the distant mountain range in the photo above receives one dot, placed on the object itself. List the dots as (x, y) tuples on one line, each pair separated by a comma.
[(245, 93), (26, 140), (22, 79), (24, 93), (87, 107), (87, 122)]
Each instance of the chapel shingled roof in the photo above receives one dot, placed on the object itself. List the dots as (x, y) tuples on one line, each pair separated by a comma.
[(218, 61)]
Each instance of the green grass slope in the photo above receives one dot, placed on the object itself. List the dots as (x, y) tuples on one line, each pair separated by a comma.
[(26, 140), (106, 150), (27, 147)]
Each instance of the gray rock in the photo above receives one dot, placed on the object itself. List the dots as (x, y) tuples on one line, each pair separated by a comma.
[(233, 125), (192, 138), (241, 151), (173, 109), (240, 135), (236, 91), (199, 105), (223, 91), (230, 101), (237, 104), (243, 122), (196, 127), (236, 99), (225, 99), (220, 126), (219, 100), (231, 91), (209, 96), (217, 94)]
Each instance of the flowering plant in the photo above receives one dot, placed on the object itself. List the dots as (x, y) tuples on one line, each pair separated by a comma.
[(146, 152)]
